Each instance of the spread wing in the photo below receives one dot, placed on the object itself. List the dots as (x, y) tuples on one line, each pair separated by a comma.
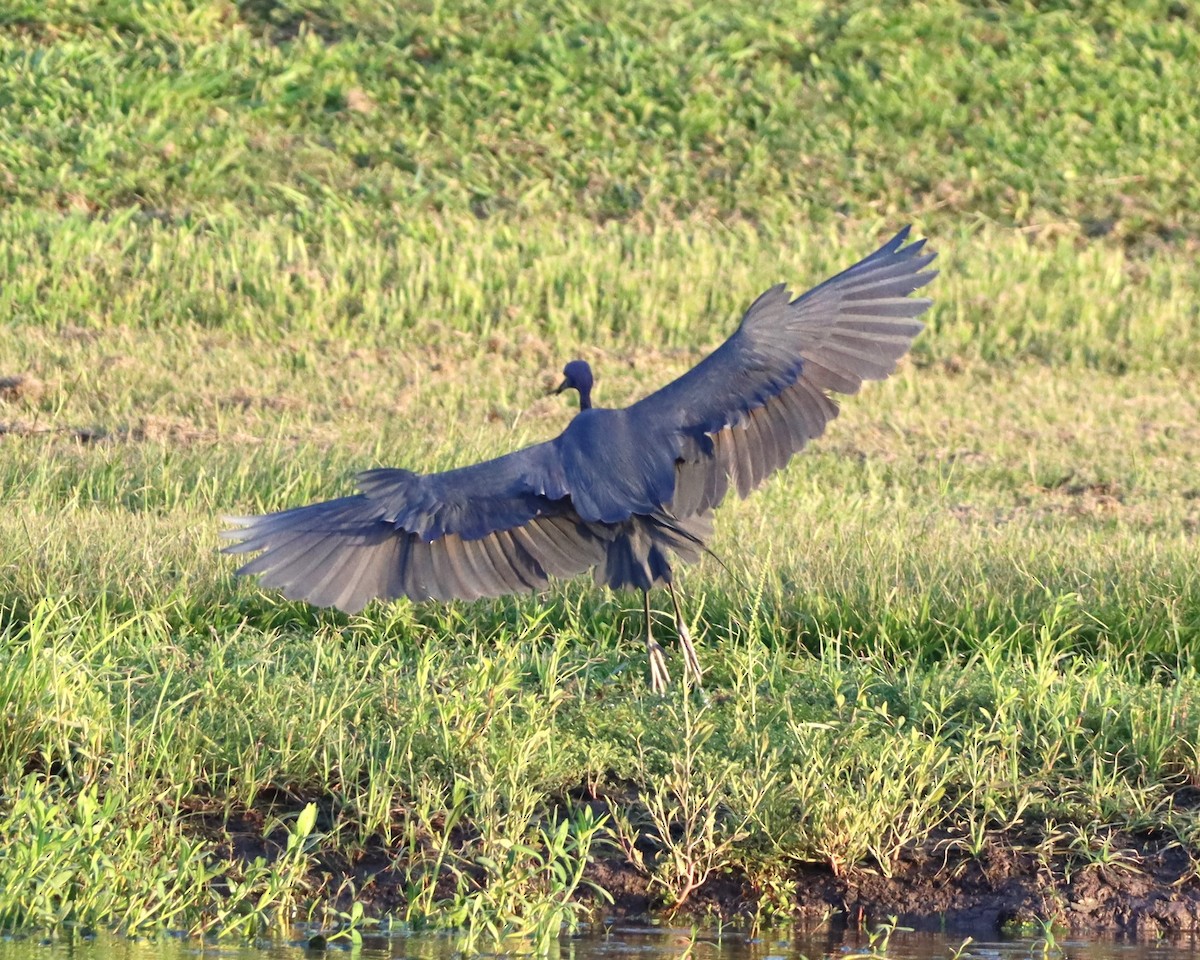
[(496, 527), (743, 411)]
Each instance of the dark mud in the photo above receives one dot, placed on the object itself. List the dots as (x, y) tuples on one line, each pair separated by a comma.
[(934, 888), (1152, 892)]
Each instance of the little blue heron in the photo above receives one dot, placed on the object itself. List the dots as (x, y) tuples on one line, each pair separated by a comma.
[(618, 491)]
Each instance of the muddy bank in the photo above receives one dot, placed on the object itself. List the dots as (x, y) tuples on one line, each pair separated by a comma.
[(1152, 891), (1007, 888), (936, 888)]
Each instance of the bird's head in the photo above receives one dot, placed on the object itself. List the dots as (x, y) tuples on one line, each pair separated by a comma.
[(577, 375)]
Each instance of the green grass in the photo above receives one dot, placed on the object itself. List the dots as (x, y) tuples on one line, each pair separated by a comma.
[(949, 111), (248, 249)]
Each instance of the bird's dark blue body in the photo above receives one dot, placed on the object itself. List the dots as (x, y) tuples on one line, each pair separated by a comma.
[(615, 466)]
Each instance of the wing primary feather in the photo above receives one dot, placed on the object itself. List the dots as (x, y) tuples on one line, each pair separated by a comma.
[(326, 588), (797, 416), (775, 432), (898, 307), (355, 589), (756, 447), (776, 446), (501, 564), (791, 425), (386, 567), (568, 543), (579, 540), (539, 543), (815, 407), (893, 286), (419, 579), (825, 375), (485, 571), (295, 572), (446, 585), (398, 570), (907, 269), (745, 466), (526, 541), (457, 558), (527, 569)]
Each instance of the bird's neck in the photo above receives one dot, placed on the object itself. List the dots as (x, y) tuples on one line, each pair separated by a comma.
[(585, 399)]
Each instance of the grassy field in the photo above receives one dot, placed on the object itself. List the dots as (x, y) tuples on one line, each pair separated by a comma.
[(251, 248)]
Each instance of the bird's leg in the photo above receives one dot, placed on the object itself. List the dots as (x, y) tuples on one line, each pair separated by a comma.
[(659, 678), (685, 640)]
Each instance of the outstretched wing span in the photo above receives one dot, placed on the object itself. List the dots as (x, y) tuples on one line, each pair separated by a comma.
[(501, 526), (595, 495), (743, 411)]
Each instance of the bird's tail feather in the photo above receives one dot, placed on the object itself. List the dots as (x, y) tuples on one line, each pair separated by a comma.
[(638, 550)]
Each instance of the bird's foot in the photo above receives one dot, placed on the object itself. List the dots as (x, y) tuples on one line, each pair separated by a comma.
[(690, 659), (660, 679)]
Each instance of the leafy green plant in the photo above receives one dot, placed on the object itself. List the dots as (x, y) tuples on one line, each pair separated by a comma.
[(698, 812)]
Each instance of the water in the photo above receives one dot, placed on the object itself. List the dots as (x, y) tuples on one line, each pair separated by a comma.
[(626, 943)]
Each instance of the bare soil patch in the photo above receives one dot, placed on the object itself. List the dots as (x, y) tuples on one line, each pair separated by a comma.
[(21, 386)]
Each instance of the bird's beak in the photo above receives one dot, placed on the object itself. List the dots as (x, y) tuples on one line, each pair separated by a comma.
[(561, 387)]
